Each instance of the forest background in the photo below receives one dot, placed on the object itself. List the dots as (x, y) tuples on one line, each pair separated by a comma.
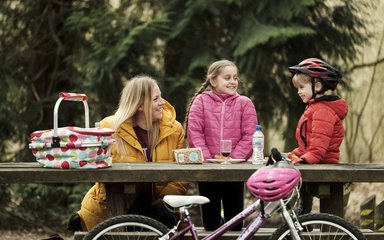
[(94, 46)]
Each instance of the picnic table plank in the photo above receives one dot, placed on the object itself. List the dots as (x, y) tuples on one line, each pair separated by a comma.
[(32, 172)]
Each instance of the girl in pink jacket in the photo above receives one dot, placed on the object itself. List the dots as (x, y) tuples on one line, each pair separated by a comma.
[(217, 114)]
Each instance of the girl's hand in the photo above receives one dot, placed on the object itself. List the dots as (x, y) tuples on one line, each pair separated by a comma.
[(297, 161), (294, 159)]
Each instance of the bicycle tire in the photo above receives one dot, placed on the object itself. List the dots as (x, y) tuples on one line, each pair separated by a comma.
[(127, 227), (321, 226)]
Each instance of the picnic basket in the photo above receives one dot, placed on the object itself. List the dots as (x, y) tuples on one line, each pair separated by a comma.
[(72, 147)]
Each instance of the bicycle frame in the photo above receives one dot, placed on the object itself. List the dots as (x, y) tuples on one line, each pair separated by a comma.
[(247, 233)]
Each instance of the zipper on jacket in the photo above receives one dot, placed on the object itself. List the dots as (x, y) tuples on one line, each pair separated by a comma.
[(222, 120), (303, 133)]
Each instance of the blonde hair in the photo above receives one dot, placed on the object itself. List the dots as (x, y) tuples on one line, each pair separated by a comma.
[(136, 93), (213, 71), (301, 78)]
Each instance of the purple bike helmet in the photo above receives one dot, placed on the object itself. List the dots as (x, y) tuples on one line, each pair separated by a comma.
[(273, 183)]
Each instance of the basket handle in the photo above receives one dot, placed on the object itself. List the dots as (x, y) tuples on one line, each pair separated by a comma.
[(78, 97), (73, 96)]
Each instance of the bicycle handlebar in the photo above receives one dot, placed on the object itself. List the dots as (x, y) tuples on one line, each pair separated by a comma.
[(276, 154)]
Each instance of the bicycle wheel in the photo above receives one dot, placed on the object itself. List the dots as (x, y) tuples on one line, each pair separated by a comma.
[(321, 226), (127, 227)]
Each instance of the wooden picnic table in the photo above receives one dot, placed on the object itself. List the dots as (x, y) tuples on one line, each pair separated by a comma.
[(119, 179)]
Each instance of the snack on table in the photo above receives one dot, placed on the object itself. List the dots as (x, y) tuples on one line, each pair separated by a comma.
[(188, 155), (220, 157)]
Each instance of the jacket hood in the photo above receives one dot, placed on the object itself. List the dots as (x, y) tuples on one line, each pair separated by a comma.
[(336, 103), (169, 115)]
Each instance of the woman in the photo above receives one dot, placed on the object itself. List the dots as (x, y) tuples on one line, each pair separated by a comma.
[(146, 130)]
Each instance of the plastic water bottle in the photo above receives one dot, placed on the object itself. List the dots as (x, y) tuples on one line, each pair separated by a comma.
[(258, 146)]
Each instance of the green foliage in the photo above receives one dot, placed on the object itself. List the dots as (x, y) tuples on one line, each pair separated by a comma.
[(254, 33), (114, 43)]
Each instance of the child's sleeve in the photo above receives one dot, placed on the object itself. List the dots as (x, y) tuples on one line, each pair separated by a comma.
[(195, 131)]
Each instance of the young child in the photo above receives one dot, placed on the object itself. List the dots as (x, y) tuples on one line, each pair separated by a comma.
[(320, 130), (214, 115)]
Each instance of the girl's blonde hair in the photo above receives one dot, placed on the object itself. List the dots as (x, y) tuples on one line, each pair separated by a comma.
[(214, 70), (136, 93), (301, 78)]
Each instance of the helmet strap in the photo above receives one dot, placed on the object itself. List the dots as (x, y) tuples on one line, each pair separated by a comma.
[(314, 93)]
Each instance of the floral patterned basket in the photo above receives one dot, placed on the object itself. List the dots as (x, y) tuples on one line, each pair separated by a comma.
[(72, 147)]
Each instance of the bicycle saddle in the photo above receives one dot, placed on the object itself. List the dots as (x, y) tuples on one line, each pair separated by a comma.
[(180, 200)]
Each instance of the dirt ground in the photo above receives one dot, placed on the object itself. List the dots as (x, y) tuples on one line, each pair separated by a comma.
[(359, 193)]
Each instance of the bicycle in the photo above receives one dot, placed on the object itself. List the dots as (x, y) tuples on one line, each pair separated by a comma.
[(276, 187)]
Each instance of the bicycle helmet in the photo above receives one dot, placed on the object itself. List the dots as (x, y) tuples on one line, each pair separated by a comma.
[(273, 183), (317, 68)]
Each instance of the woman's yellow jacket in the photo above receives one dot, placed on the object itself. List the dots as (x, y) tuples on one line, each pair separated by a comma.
[(93, 207)]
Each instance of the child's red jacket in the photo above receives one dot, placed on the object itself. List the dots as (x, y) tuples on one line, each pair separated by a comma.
[(320, 130)]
